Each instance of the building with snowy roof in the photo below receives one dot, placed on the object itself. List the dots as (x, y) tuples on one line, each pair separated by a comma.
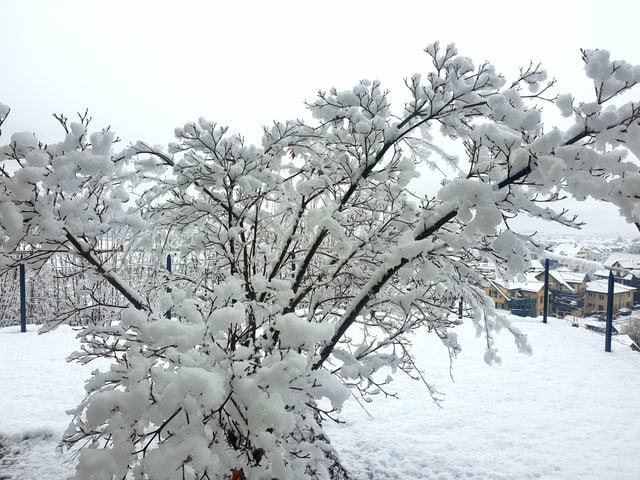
[(525, 299), (566, 292), (597, 294), (626, 269), (568, 251)]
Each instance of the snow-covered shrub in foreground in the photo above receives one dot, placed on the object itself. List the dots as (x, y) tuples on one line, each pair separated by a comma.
[(313, 264)]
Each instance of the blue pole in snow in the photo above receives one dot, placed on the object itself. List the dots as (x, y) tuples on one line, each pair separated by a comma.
[(546, 291), (609, 329), (23, 300), (168, 314)]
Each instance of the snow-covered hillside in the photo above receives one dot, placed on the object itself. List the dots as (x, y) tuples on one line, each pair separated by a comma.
[(568, 412)]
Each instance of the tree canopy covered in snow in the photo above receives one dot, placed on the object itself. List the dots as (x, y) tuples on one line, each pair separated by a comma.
[(312, 261)]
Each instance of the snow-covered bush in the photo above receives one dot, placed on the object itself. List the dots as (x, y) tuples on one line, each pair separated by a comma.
[(314, 262)]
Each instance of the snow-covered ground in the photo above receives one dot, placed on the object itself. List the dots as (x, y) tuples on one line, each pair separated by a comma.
[(568, 412)]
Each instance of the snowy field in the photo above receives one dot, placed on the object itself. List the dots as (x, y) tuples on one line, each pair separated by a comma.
[(568, 412)]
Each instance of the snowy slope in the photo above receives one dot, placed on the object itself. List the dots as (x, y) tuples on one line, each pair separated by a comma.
[(568, 412), (38, 386)]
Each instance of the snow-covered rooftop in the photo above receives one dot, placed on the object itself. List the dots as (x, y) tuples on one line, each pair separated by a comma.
[(602, 286), (630, 261)]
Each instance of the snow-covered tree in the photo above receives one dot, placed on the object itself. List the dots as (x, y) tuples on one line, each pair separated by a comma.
[(311, 263)]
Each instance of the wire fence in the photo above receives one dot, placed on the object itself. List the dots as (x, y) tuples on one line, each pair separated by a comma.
[(65, 291)]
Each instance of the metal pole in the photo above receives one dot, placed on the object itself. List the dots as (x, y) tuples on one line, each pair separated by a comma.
[(23, 300), (546, 291), (460, 305), (168, 314), (609, 329)]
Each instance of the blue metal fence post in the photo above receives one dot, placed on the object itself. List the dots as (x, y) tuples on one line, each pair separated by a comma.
[(546, 291), (609, 329), (23, 300), (168, 314)]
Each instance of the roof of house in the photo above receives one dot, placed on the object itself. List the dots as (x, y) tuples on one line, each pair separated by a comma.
[(568, 249), (629, 261), (528, 286), (570, 277), (602, 286), (605, 274), (567, 278)]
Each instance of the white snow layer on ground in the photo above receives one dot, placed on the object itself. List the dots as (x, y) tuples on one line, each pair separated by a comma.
[(568, 412)]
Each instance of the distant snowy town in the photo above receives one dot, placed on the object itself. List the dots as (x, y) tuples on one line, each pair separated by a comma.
[(579, 270)]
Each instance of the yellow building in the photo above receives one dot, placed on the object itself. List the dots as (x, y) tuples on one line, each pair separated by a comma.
[(597, 295), (566, 292), (525, 299), (498, 293)]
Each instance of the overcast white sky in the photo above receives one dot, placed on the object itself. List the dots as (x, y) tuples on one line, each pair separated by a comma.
[(145, 67)]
